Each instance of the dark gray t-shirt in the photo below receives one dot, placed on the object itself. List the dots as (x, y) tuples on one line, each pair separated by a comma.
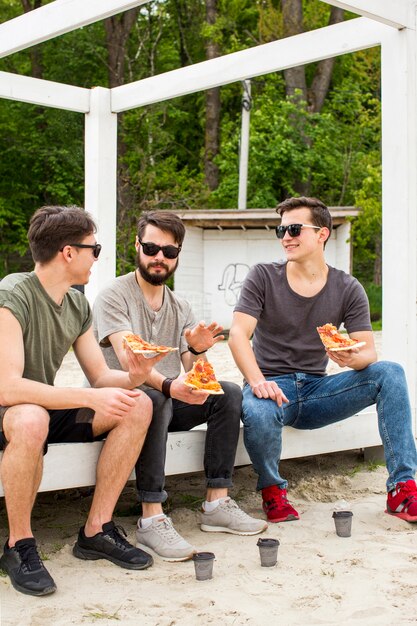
[(49, 329), (122, 306), (285, 339)]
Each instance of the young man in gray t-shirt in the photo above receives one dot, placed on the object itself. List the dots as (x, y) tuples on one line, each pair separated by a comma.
[(281, 305), (141, 302)]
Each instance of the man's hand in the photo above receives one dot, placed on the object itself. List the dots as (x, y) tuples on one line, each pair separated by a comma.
[(203, 337), (140, 366), (269, 389), (344, 358), (182, 392), (111, 401)]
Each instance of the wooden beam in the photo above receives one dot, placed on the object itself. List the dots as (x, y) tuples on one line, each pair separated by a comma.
[(44, 92), (322, 43), (101, 184), (394, 13), (56, 18)]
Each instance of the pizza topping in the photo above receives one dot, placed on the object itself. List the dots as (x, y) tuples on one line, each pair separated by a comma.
[(333, 340), (140, 346), (202, 376)]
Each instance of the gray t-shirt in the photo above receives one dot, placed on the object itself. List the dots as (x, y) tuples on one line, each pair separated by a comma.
[(285, 339), (49, 329), (122, 306)]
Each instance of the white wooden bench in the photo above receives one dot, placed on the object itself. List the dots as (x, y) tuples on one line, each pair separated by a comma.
[(69, 465)]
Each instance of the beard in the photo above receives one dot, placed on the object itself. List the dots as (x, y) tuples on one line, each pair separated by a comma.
[(150, 277)]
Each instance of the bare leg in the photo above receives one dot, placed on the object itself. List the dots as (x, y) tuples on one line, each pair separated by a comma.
[(26, 428), (151, 508), (117, 459), (214, 493)]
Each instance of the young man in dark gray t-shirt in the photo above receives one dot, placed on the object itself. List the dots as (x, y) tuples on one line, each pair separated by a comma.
[(281, 305)]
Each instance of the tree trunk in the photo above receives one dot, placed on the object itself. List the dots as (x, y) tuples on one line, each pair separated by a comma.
[(321, 82), (34, 51), (213, 106), (118, 29), (295, 78)]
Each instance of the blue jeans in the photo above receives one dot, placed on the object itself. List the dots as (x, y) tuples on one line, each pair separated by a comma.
[(316, 401)]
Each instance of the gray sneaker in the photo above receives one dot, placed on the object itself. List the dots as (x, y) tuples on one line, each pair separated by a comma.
[(229, 518), (162, 539)]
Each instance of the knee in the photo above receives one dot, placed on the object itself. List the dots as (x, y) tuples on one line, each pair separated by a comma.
[(142, 413), (27, 423), (390, 372), (231, 400)]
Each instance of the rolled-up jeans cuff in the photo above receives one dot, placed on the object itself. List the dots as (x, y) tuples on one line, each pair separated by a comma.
[(152, 496), (219, 483)]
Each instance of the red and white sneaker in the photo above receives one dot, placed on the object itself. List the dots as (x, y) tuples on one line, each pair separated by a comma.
[(402, 501), (276, 506)]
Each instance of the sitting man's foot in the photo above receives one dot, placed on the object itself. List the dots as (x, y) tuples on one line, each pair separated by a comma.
[(402, 501), (111, 545), (161, 538), (276, 506), (227, 517), (25, 568)]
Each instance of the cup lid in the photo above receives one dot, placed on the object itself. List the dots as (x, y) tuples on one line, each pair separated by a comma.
[(342, 514), (203, 556), (267, 542)]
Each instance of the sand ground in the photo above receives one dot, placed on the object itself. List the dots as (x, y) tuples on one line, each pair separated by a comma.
[(367, 579)]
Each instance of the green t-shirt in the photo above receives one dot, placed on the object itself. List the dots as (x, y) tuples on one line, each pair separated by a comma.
[(49, 329)]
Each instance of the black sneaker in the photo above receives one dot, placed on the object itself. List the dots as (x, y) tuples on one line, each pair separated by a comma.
[(110, 545), (25, 568)]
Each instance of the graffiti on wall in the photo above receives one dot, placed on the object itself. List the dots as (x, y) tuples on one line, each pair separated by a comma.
[(232, 280)]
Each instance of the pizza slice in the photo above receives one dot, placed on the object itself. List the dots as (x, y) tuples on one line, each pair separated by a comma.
[(202, 376), (334, 341), (140, 346)]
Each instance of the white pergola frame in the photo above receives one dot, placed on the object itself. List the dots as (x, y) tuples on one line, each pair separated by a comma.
[(390, 24)]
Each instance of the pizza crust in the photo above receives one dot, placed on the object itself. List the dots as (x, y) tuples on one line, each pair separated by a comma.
[(148, 351), (211, 392), (355, 345)]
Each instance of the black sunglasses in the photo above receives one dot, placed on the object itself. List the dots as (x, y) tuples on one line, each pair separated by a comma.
[(294, 230), (96, 247), (152, 249)]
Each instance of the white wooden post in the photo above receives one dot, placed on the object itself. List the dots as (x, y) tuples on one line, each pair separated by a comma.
[(399, 200), (101, 184), (244, 145)]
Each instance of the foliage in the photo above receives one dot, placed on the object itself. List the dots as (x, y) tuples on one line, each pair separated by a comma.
[(335, 152)]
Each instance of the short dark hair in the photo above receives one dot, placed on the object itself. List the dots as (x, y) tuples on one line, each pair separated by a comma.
[(164, 220), (320, 214), (53, 227)]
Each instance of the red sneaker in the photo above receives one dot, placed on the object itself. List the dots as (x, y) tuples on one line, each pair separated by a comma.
[(276, 505), (402, 501)]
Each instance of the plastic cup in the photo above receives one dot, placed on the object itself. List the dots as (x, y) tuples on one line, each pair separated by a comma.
[(343, 523), (268, 551), (203, 564)]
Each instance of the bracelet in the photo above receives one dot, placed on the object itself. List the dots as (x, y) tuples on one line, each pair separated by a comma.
[(166, 387), (190, 349)]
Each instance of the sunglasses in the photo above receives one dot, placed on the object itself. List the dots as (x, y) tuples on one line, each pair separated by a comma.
[(294, 230), (152, 249), (96, 247)]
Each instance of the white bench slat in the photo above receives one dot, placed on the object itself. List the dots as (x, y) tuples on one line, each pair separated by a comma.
[(70, 465)]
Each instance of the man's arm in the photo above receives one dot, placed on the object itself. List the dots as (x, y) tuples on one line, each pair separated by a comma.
[(154, 379), (241, 331), (14, 389), (136, 367), (357, 358)]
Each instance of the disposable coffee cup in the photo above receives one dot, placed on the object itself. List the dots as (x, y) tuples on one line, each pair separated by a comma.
[(343, 523), (203, 564), (268, 551)]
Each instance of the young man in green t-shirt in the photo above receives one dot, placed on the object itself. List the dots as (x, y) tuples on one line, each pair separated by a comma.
[(41, 317)]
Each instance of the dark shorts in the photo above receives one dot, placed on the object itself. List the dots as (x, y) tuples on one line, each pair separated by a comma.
[(65, 426)]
